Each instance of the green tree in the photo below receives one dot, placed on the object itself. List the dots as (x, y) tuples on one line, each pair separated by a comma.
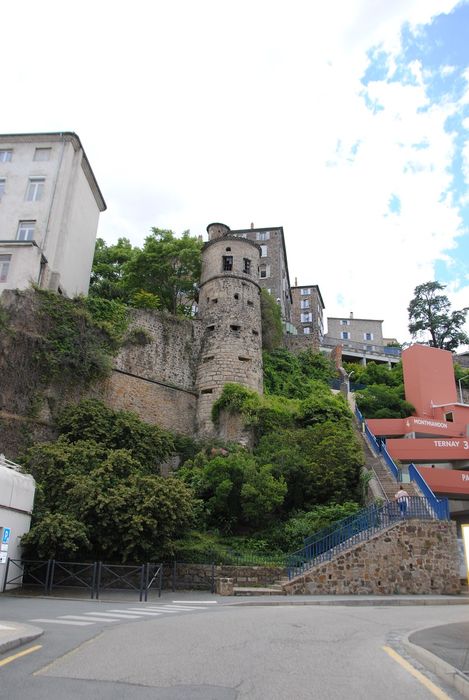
[(236, 491), (99, 493), (430, 314), (381, 401), (108, 274), (168, 268)]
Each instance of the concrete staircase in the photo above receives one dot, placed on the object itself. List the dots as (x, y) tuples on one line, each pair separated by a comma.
[(384, 480)]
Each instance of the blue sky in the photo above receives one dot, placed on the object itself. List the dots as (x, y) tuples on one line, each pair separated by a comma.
[(345, 123), (442, 50)]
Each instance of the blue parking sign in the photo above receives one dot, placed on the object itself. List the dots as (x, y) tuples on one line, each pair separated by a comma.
[(6, 535)]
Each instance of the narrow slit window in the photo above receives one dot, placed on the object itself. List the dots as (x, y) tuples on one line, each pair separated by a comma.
[(236, 296), (208, 358), (250, 303), (255, 332), (233, 327), (244, 359), (207, 391), (210, 328), (246, 266)]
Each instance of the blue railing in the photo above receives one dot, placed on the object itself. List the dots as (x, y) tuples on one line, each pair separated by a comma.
[(378, 447), (359, 528), (439, 505)]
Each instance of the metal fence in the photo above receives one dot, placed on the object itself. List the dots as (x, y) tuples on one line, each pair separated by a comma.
[(359, 528), (93, 577)]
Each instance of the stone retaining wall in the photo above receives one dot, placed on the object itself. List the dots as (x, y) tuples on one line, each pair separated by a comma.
[(200, 576), (412, 557)]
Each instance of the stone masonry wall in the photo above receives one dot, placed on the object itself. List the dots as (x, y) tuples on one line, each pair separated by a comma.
[(171, 355), (412, 557), (193, 576), (169, 408)]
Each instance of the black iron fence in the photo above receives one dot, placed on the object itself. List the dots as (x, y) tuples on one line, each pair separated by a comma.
[(94, 577)]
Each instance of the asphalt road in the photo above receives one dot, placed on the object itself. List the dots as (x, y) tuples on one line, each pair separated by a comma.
[(216, 652)]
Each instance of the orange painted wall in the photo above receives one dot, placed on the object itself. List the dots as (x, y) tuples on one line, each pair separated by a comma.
[(446, 481), (429, 449), (415, 424), (428, 377)]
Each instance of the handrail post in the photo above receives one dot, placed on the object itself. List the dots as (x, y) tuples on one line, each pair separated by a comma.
[(161, 580), (93, 580), (98, 581)]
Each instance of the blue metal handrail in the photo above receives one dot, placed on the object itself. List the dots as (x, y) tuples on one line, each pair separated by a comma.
[(439, 505), (362, 526)]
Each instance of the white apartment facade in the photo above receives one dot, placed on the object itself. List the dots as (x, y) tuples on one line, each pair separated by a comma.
[(50, 203)]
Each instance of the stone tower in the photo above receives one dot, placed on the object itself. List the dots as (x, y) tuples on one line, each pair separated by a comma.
[(230, 310)]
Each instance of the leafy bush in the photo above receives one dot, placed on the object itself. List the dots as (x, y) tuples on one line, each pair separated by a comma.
[(295, 376), (381, 401)]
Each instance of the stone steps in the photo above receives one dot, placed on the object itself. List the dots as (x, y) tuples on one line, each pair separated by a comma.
[(275, 589)]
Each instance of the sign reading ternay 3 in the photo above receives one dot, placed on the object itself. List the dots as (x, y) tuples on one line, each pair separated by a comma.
[(429, 449)]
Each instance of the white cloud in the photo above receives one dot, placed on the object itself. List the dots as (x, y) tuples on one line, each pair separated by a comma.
[(198, 111)]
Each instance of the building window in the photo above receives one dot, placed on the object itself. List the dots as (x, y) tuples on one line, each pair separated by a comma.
[(247, 266), (35, 189), (367, 336), (227, 263), (6, 155), (305, 291), (263, 251), (345, 335), (2, 187), (26, 231), (42, 154), (306, 330), (306, 318), (4, 267), (344, 322), (264, 271), (368, 348), (263, 235), (304, 303)]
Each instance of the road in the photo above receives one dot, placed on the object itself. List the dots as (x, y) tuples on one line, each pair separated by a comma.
[(189, 651)]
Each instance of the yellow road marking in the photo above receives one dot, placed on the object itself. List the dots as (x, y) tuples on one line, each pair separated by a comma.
[(9, 659), (437, 692)]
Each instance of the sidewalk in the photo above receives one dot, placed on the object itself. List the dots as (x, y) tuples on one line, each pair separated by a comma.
[(14, 634)]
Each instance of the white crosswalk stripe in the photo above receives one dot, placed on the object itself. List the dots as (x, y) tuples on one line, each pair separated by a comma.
[(62, 622), (196, 602), (90, 618), (121, 615), (116, 613), (143, 612)]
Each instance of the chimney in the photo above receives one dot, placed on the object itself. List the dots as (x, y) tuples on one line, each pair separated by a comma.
[(296, 281), (351, 314), (252, 225)]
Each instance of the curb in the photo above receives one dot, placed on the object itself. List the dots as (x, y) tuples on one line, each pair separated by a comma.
[(352, 603), (449, 674), (22, 634)]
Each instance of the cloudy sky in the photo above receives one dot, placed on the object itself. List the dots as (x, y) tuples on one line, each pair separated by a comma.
[(345, 122)]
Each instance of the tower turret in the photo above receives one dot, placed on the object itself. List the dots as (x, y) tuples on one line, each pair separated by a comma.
[(229, 307)]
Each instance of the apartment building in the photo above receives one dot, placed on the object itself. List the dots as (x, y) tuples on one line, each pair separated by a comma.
[(307, 311), (361, 339), (273, 266), (50, 203)]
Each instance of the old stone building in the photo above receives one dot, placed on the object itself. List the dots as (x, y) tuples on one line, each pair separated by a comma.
[(229, 308), (273, 267), (307, 311)]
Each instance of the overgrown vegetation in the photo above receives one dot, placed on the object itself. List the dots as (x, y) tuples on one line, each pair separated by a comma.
[(271, 319), (80, 336), (99, 490), (381, 390), (163, 274)]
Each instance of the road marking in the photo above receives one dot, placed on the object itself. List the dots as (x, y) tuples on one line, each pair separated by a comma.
[(124, 616), (93, 619), (9, 659), (437, 692), (172, 608), (141, 612), (61, 622), (196, 602), (165, 609)]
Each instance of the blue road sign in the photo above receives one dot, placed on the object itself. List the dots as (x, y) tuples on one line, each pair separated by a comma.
[(6, 535)]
